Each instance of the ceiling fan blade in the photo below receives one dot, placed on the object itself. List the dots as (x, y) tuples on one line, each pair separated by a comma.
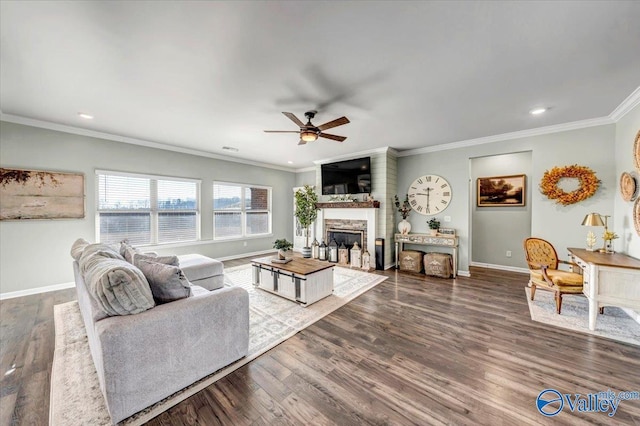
[(333, 137), (301, 142), (293, 118), (335, 123), (282, 131)]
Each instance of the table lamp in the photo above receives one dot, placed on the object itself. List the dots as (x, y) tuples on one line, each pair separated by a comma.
[(594, 219)]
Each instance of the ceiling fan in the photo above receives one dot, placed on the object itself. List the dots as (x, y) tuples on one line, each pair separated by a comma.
[(309, 132)]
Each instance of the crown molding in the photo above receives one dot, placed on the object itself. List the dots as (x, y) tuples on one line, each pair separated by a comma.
[(306, 169), (383, 150), (574, 125), (124, 139), (632, 101)]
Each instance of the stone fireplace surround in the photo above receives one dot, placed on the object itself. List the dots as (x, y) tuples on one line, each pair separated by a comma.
[(356, 228)]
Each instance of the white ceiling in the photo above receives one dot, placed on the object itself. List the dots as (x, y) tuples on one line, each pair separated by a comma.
[(203, 75)]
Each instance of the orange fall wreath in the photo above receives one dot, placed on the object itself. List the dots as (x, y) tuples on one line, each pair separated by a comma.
[(589, 184)]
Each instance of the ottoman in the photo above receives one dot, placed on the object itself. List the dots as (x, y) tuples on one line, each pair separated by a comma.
[(438, 265), (411, 260), (202, 270)]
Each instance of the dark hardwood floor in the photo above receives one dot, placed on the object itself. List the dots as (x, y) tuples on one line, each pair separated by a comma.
[(413, 350)]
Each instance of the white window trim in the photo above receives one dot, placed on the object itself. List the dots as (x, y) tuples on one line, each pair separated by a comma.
[(153, 210), (242, 211)]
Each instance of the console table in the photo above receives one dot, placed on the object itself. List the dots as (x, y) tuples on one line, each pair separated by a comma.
[(609, 280), (439, 240)]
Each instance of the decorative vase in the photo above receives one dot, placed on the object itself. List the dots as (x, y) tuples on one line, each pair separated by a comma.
[(608, 246), (306, 252), (281, 254), (404, 227), (433, 232)]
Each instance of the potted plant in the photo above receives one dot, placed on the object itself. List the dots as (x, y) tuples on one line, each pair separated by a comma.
[(306, 212), (404, 227), (434, 225), (283, 246)]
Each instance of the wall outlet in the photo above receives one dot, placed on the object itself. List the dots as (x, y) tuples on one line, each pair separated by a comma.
[(508, 253), (447, 218)]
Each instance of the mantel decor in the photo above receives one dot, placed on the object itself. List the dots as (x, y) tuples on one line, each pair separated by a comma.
[(589, 184), (349, 205)]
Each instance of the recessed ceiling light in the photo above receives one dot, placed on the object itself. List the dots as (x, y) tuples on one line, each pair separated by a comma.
[(537, 111), (230, 148), (85, 116), (289, 162)]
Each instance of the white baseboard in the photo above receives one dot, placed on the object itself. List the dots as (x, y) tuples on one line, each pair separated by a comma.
[(501, 267), (464, 273), (240, 256), (37, 290)]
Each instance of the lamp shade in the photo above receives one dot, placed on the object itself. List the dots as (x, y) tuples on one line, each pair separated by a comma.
[(308, 136), (593, 219)]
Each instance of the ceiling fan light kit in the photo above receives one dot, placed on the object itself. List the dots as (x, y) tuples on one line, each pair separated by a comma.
[(308, 132)]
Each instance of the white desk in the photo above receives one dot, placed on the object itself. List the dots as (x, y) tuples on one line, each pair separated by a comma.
[(609, 280), (439, 240)]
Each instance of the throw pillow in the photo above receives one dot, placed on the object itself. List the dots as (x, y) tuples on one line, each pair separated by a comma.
[(128, 251), (167, 260), (118, 287), (167, 282)]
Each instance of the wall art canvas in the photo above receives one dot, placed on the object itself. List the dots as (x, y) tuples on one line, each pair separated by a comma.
[(501, 191), (38, 194)]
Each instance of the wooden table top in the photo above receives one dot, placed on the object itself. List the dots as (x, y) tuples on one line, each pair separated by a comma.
[(617, 260), (297, 265)]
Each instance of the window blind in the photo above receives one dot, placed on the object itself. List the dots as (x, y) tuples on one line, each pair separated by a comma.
[(144, 210), (240, 210)]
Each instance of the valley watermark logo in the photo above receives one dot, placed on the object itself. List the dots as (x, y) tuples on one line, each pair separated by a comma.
[(550, 402)]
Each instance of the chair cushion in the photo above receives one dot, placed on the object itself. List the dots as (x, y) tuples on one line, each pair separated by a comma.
[(559, 278)]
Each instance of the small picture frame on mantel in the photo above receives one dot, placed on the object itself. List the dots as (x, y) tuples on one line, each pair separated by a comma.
[(447, 231)]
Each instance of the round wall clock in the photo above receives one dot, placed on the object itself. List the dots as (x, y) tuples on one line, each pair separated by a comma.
[(429, 194), (628, 186)]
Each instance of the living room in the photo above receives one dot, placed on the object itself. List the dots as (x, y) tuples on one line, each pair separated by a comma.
[(34, 254)]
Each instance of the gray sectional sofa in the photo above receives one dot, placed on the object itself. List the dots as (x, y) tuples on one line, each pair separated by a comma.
[(144, 357)]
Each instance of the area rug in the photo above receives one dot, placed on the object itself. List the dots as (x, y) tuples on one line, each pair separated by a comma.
[(614, 324), (76, 398)]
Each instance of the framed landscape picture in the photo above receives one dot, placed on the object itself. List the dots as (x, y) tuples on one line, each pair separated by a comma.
[(39, 194), (501, 191)]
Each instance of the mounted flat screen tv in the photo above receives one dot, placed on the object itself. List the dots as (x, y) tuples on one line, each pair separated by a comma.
[(347, 177)]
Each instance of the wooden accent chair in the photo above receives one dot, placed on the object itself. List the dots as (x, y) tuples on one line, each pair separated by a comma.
[(543, 266)]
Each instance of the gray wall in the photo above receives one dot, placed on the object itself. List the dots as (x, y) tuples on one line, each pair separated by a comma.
[(501, 228), (306, 178), (35, 253), (592, 147)]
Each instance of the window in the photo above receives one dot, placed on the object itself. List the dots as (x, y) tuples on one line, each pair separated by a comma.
[(240, 210), (146, 209)]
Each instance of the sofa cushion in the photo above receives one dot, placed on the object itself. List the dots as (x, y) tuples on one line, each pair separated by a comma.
[(167, 282), (197, 266), (118, 287)]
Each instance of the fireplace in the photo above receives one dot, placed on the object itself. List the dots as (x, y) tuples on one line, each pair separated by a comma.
[(351, 224), (346, 231)]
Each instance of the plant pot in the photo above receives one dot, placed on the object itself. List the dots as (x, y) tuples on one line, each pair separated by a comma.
[(404, 227), (306, 252), (281, 254), (433, 232)]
